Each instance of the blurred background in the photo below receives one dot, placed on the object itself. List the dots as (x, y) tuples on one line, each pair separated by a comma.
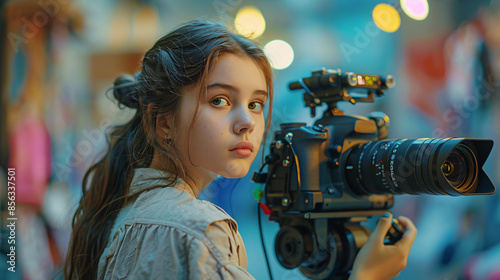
[(58, 58)]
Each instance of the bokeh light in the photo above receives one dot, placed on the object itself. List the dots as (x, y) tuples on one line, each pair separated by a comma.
[(250, 22), (415, 9), (386, 18), (280, 54)]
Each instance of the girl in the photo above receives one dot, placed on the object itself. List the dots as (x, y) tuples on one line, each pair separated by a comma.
[(199, 98)]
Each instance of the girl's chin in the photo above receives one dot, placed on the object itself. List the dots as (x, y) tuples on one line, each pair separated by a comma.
[(233, 175), (234, 171)]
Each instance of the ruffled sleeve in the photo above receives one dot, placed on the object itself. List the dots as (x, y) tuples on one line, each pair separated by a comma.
[(224, 246), (148, 251)]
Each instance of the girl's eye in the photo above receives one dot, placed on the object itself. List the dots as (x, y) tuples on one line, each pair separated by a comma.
[(219, 102), (256, 106)]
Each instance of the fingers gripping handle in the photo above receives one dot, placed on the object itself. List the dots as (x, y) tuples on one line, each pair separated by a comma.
[(395, 233)]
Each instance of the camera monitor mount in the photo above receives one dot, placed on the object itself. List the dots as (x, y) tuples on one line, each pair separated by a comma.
[(332, 86)]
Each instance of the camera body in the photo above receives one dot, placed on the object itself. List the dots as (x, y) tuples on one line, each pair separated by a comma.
[(313, 158), (324, 180)]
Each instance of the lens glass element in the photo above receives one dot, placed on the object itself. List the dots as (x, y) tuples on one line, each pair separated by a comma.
[(454, 168), (459, 168)]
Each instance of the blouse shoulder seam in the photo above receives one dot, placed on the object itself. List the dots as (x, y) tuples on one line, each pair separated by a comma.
[(217, 268)]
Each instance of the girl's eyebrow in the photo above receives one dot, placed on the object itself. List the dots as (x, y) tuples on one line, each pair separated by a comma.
[(233, 89)]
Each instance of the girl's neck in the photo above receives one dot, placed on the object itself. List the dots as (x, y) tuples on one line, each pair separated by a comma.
[(196, 178)]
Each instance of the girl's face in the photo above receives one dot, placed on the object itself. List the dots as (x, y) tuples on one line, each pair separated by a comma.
[(226, 135)]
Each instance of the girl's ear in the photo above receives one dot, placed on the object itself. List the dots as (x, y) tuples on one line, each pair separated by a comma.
[(164, 123)]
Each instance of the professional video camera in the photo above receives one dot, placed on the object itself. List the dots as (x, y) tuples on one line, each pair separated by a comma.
[(324, 180)]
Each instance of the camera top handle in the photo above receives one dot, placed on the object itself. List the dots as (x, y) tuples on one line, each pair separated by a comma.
[(332, 86)]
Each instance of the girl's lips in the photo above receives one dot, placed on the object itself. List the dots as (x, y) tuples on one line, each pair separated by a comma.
[(243, 145), (242, 152)]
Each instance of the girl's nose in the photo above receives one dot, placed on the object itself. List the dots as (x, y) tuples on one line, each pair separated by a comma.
[(244, 121)]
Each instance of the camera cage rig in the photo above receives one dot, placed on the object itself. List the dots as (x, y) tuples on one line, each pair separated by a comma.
[(324, 180), (331, 87)]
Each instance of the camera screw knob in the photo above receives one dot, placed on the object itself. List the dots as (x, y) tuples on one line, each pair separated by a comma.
[(285, 202), (319, 128), (279, 144), (380, 118), (335, 150)]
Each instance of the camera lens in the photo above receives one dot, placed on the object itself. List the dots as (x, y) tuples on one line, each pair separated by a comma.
[(430, 165)]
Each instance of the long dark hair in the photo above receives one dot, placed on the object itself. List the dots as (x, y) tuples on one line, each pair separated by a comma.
[(183, 57)]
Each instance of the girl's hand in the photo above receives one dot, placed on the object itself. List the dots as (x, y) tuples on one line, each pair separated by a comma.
[(378, 261)]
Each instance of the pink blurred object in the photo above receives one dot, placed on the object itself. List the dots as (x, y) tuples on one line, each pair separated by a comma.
[(484, 265), (29, 144), (495, 275)]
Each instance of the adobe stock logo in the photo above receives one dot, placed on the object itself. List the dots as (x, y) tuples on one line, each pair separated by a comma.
[(455, 116), (31, 25), (361, 40), (224, 7), (385, 17)]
